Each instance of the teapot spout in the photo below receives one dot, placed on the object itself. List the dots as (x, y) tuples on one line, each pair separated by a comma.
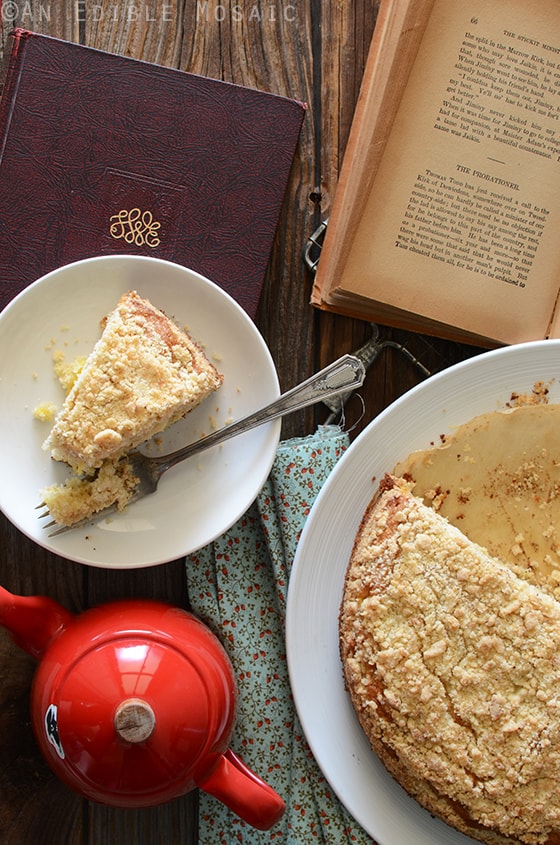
[(32, 621), (253, 800)]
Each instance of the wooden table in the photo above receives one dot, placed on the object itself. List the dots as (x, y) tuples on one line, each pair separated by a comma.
[(313, 51)]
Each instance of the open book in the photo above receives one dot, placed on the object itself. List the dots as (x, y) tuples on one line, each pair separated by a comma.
[(446, 219)]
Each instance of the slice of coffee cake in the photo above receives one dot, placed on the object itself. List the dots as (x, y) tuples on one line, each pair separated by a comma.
[(143, 374)]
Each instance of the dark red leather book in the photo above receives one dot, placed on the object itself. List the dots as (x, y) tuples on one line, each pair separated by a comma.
[(103, 154)]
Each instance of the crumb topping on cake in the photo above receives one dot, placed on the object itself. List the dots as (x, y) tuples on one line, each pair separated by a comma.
[(452, 663), (143, 375)]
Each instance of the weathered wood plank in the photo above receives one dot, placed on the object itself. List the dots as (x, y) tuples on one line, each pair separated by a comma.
[(52, 17), (150, 31)]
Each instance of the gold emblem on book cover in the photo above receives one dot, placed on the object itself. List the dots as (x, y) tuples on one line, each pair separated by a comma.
[(135, 227)]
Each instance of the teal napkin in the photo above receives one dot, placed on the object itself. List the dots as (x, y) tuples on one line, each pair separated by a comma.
[(238, 584)]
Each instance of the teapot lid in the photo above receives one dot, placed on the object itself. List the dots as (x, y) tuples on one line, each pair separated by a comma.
[(134, 720)]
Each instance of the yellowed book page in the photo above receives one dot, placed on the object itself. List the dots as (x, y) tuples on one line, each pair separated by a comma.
[(397, 36), (463, 222)]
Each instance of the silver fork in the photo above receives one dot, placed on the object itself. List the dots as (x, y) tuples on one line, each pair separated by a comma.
[(344, 374)]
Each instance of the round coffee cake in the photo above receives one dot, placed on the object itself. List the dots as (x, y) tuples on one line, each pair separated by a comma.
[(452, 663)]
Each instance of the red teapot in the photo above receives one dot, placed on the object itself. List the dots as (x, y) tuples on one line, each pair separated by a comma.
[(133, 704)]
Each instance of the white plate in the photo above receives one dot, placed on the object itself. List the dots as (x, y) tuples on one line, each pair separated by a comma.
[(481, 384), (197, 500)]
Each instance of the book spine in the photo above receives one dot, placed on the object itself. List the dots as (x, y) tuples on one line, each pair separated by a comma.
[(10, 75)]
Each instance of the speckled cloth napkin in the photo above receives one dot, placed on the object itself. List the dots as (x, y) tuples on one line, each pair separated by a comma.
[(238, 584)]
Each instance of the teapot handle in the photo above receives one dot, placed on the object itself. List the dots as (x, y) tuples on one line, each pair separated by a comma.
[(239, 788)]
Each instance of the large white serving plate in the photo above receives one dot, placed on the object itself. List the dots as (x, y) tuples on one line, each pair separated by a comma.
[(197, 500), (414, 421)]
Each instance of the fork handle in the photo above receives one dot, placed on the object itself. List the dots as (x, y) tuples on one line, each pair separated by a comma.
[(342, 375)]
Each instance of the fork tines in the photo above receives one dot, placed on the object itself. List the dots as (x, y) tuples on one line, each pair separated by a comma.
[(44, 514)]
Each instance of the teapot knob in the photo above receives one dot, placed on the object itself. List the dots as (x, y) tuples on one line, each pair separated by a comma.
[(134, 720)]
